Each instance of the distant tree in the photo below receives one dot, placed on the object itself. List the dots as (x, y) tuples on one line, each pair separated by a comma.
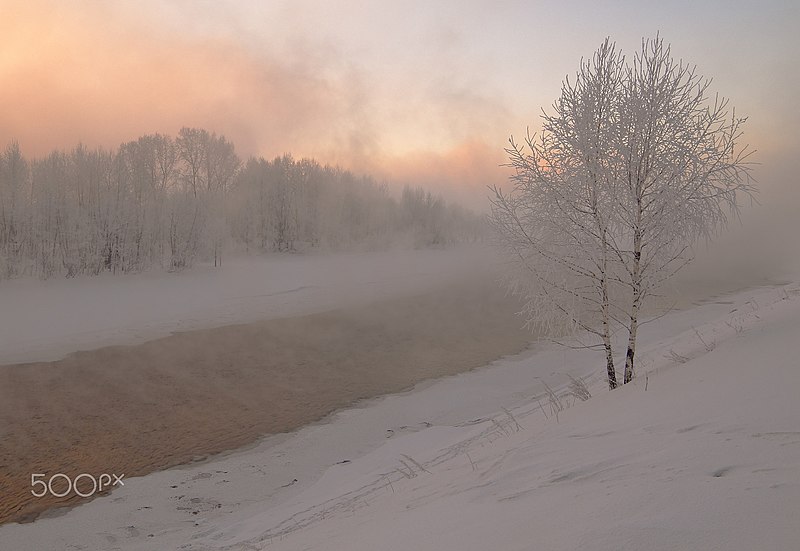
[(424, 215), (208, 164), (283, 199), (14, 172), (633, 167)]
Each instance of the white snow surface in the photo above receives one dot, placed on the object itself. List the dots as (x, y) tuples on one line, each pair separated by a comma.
[(701, 451)]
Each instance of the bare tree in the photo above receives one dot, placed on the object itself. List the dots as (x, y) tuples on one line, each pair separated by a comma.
[(682, 170), (634, 166), (208, 164), (221, 165), (558, 218), (14, 172)]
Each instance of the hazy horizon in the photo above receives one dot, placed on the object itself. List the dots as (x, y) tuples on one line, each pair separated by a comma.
[(421, 93)]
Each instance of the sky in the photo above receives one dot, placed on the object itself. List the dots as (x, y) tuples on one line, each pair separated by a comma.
[(425, 92)]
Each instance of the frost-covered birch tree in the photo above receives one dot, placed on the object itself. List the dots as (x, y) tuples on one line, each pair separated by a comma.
[(634, 165)]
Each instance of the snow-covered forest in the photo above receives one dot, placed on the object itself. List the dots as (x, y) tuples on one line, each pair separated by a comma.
[(164, 202)]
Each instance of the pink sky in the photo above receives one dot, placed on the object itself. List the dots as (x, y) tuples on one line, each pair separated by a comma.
[(426, 92)]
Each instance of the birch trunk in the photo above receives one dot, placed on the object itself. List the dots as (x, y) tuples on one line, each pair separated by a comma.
[(635, 304), (606, 314)]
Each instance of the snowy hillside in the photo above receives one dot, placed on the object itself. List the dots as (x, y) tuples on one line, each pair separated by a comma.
[(697, 455), (702, 451)]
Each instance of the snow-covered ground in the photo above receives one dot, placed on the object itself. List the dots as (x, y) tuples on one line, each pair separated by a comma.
[(702, 451), (45, 320)]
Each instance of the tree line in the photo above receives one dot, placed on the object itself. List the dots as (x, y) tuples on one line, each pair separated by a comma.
[(170, 202)]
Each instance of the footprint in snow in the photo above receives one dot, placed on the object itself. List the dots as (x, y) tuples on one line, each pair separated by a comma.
[(406, 429)]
